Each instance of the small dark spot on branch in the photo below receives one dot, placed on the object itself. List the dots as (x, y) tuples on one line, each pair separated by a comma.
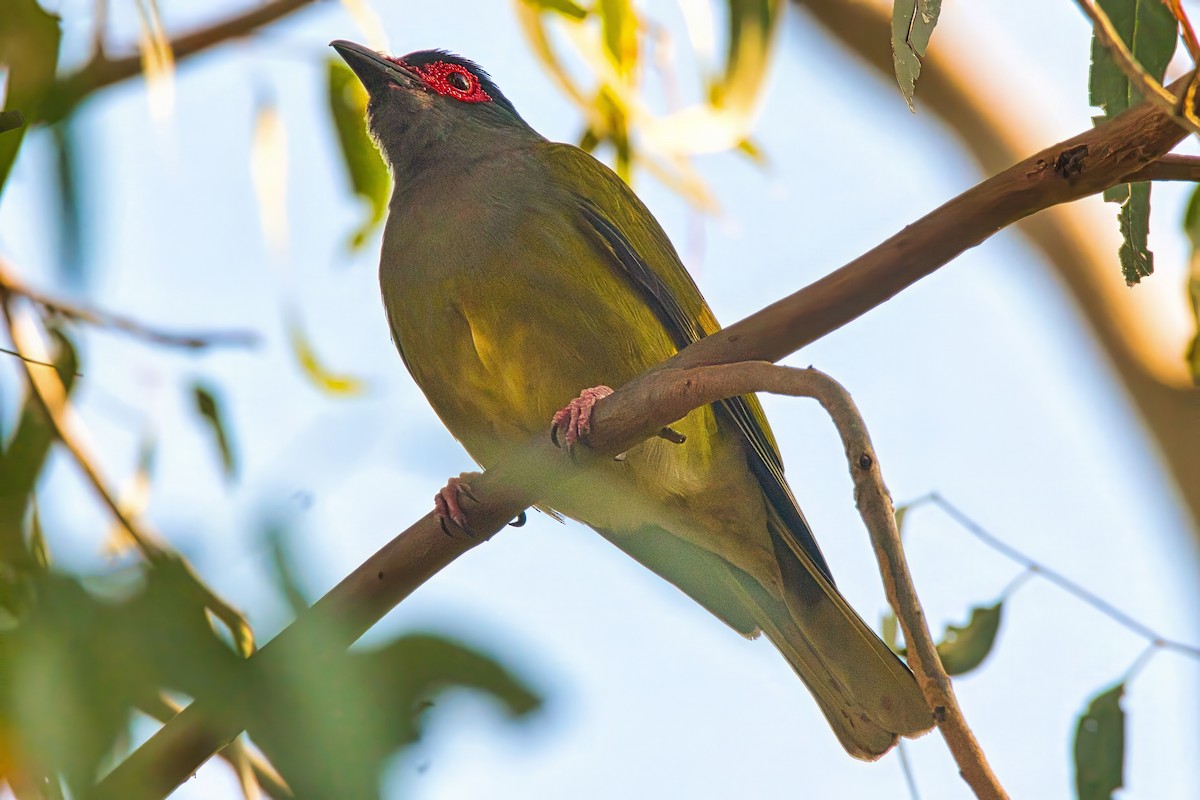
[(1070, 162), (865, 461), (939, 714), (379, 575)]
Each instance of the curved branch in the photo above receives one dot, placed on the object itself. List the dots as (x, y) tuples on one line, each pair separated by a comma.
[(1100, 157), (101, 71)]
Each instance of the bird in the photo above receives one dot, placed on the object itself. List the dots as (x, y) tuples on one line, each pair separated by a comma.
[(522, 278)]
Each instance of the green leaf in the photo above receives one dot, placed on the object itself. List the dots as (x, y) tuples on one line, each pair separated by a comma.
[(1137, 261), (1100, 746), (24, 457), (913, 22), (368, 174), (964, 648), (329, 720), (618, 21), (1149, 29), (1191, 226), (209, 409), (29, 39)]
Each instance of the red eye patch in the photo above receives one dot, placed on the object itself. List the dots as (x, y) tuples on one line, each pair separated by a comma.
[(453, 80)]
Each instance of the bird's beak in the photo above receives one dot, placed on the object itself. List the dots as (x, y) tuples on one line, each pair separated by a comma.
[(373, 69)]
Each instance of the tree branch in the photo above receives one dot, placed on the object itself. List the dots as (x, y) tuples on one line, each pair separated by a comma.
[(1169, 168), (1085, 164), (994, 127), (102, 71), (132, 327)]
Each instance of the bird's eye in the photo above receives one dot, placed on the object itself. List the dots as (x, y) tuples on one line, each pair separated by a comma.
[(459, 81)]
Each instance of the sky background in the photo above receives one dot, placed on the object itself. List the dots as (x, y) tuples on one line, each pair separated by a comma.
[(978, 383)]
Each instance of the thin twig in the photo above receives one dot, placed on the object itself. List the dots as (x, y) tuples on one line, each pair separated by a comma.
[(1170, 167), (43, 384), (102, 71), (1150, 87), (139, 330), (1034, 567), (30, 360)]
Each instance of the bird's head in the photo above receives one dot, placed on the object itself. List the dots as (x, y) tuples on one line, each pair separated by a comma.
[(431, 106)]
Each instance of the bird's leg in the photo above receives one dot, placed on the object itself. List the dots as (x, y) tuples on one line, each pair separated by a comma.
[(446, 503), (575, 420)]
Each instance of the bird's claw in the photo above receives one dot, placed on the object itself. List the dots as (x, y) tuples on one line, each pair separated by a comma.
[(575, 420), (446, 505)]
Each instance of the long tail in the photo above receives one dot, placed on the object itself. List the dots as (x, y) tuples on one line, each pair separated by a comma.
[(868, 695)]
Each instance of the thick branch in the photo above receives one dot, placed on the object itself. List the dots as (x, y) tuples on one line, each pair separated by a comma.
[(1169, 168), (101, 71), (1080, 166)]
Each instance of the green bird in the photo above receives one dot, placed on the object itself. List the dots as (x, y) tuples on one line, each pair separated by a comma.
[(517, 272)]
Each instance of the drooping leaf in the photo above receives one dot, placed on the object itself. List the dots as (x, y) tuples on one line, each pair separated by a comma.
[(324, 379), (158, 59), (29, 39), (568, 8), (913, 22), (963, 648), (1191, 226), (24, 456), (1100, 746), (1149, 29), (209, 409), (71, 246), (268, 173), (368, 174)]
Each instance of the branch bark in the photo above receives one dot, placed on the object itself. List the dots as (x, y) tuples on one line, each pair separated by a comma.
[(994, 131), (1080, 166)]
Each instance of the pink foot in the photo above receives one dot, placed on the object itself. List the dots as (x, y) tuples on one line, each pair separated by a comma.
[(575, 421), (446, 503)]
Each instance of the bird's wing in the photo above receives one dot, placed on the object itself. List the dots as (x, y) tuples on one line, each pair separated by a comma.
[(644, 255)]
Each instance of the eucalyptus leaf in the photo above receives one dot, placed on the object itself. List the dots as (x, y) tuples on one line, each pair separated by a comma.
[(913, 22), (29, 39), (1100, 746), (209, 408), (364, 165)]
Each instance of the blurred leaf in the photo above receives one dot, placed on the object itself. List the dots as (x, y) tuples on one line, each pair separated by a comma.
[(751, 150), (65, 137), (329, 721), (964, 648), (567, 8), (889, 631), (285, 572), (368, 173), (209, 409), (11, 121), (619, 24), (913, 22), (268, 173), (1149, 29), (1191, 226), (329, 382), (134, 495), (29, 39), (24, 457), (158, 59), (1100, 746), (79, 662)]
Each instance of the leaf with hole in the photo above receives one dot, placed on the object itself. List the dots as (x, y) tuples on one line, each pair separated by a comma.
[(1100, 746)]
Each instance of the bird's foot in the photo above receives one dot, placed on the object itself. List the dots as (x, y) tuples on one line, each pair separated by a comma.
[(447, 504), (575, 420)]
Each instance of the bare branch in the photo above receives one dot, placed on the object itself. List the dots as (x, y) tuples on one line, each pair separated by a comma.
[(1098, 158), (101, 71), (132, 327)]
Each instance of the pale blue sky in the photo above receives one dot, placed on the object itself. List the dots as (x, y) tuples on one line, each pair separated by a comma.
[(977, 383)]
